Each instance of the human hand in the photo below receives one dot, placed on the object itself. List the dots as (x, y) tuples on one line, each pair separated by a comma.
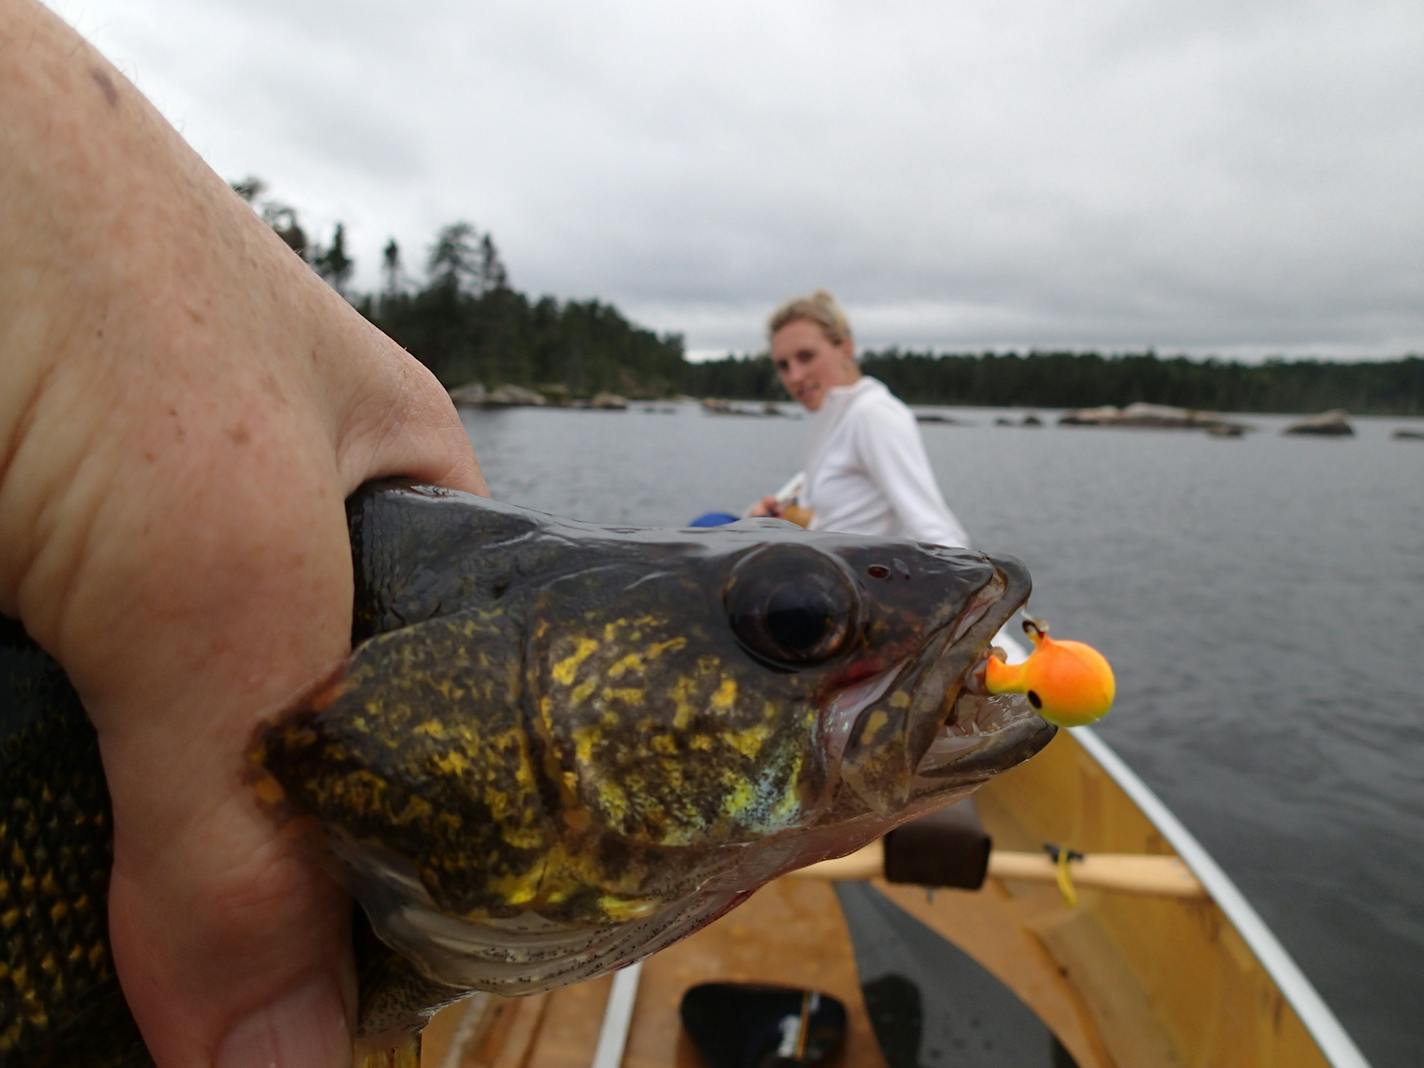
[(767, 506), (184, 407)]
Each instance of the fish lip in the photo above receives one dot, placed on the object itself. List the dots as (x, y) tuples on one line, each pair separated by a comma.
[(1006, 732)]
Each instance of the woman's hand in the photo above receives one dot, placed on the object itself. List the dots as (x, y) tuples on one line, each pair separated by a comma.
[(767, 506), (184, 407)]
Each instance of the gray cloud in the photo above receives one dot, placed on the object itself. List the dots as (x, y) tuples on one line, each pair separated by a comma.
[(1203, 177)]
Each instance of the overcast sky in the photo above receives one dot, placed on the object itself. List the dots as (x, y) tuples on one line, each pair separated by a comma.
[(1244, 178)]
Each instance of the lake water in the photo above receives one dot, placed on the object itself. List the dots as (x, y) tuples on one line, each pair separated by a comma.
[(1259, 599)]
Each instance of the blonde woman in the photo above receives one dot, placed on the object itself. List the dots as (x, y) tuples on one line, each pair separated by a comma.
[(866, 469)]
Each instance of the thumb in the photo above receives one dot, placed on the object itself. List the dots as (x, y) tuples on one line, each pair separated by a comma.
[(231, 941)]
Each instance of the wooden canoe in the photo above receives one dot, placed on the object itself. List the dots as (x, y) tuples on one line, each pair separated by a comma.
[(1160, 962)]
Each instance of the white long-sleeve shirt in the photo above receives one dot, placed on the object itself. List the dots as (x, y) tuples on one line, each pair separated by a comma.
[(867, 472)]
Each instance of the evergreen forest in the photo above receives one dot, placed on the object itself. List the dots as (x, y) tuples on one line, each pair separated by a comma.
[(463, 318)]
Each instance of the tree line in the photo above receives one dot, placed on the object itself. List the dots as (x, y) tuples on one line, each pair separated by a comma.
[(1063, 379), (464, 320)]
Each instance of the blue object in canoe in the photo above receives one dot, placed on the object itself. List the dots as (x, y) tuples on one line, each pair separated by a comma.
[(714, 519)]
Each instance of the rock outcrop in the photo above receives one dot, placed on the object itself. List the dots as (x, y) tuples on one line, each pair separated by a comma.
[(1155, 416), (1332, 424)]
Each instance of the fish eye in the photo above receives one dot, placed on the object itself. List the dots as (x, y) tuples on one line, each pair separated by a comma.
[(792, 606)]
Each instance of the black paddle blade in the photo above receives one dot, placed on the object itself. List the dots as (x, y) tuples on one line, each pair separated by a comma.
[(931, 1004), (749, 1025)]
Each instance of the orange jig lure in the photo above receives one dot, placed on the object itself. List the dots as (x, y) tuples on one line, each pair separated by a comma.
[(1068, 683)]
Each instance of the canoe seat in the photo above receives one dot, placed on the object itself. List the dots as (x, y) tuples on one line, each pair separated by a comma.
[(948, 847)]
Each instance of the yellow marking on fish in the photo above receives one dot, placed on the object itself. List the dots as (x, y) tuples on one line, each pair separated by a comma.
[(431, 728), (567, 668), (417, 810), (663, 743), (452, 762), (748, 742), (582, 691), (621, 910), (585, 738), (632, 626), (738, 798), (873, 726), (635, 661), (518, 888), (701, 742), (630, 695), (790, 802), (725, 697), (522, 837), (685, 709), (524, 771), (613, 800), (630, 662), (899, 699)]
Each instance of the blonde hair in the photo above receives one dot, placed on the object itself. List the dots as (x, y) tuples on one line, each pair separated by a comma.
[(819, 308)]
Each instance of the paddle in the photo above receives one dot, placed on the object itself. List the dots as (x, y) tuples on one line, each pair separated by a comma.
[(931, 1004)]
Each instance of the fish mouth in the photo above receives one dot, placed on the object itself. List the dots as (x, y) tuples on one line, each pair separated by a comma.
[(973, 735), (951, 735)]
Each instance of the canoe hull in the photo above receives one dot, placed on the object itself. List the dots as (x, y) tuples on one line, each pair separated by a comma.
[(1122, 979)]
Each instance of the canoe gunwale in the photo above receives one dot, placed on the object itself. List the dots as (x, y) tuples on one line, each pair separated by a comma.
[(1314, 1014)]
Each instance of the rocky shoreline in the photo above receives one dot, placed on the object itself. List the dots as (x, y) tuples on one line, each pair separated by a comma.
[(474, 395), (1333, 423)]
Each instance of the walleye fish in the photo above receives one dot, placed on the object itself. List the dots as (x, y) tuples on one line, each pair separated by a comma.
[(555, 749)]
